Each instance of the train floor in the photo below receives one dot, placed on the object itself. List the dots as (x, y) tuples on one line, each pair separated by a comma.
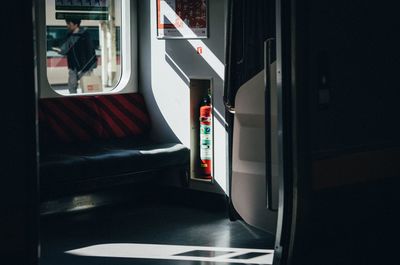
[(152, 232)]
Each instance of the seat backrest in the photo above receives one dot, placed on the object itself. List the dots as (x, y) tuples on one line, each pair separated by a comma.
[(122, 115), (84, 118)]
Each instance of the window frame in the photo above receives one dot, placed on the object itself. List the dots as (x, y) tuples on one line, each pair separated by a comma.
[(128, 81)]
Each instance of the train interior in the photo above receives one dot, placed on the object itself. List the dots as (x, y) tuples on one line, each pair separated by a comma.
[(200, 132), (136, 170)]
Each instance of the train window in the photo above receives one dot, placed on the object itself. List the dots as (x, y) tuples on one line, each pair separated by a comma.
[(83, 48)]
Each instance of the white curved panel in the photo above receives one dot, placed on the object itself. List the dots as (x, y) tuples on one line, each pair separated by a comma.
[(248, 163)]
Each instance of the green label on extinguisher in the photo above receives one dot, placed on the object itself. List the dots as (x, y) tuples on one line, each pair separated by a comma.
[(205, 142), (205, 129)]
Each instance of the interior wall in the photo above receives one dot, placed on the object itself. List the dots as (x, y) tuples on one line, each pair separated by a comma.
[(352, 74), (350, 122), (354, 44), (165, 68)]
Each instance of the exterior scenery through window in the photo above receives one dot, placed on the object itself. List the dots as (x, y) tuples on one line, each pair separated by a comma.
[(83, 45)]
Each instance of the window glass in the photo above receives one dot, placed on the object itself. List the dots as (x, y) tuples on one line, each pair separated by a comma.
[(83, 45)]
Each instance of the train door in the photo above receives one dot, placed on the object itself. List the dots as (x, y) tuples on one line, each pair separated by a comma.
[(258, 93), (253, 189)]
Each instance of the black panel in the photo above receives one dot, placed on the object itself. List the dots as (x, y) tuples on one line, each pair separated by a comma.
[(346, 61), (251, 23), (249, 255), (203, 253), (18, 189)]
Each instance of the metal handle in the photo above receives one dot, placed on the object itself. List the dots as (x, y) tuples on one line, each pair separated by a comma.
[(271, 103), (229, 108)]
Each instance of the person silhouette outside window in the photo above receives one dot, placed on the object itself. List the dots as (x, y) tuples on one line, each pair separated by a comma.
[(80, 52)]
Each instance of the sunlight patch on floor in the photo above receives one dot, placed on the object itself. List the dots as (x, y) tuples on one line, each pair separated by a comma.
[(176, 252)]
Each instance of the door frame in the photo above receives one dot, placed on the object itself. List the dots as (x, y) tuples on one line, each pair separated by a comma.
[(294, 178)]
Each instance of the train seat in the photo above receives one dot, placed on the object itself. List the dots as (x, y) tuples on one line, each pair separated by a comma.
[(92, 142)]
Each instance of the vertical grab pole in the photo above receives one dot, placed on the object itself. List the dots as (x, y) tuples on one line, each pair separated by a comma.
[(271, 105)]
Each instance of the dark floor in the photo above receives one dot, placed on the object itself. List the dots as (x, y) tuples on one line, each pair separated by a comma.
[(174, 233)]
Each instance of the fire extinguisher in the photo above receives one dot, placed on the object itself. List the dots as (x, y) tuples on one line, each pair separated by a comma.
[(206, 137)]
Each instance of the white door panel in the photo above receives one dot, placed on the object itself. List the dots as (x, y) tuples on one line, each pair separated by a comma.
[(249, 186)]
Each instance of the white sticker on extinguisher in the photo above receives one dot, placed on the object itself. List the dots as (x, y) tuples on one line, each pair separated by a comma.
[(205, 142)]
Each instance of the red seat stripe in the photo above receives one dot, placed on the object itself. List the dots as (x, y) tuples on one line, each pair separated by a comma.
[(126, 123)]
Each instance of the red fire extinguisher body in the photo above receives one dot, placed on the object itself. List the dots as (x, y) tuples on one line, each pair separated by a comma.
[(206, 139)]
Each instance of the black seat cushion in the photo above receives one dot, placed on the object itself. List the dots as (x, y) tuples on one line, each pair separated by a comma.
[(98, 159)]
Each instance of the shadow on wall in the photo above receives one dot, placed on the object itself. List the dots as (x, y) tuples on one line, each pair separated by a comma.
[(182, 57), (145, 72)]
